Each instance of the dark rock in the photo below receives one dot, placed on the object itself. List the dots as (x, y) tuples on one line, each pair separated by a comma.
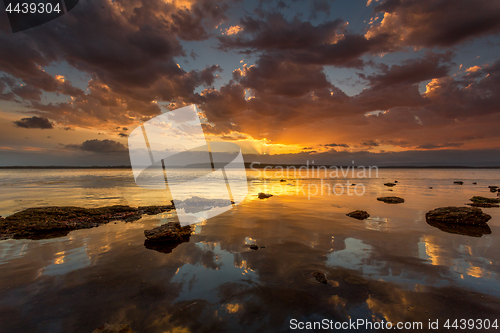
[(264, 195), (390, 184), (49, 222), (169, 232), (474, 183), (113, 328), (283, 180), (320, 277), (483, 202), (459, 182), (254, 247), (359, 214), (458, 215), (391, 200), (395, 181), (480, 199), (495, 187), (430, 187)]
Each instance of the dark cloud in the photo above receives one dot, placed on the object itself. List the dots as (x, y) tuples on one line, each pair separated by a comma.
[(100, 146), (437, 146), (34, 122), (430, 23), (337, 145)]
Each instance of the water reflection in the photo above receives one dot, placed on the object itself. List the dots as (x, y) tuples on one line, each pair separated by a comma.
[(393, 266)]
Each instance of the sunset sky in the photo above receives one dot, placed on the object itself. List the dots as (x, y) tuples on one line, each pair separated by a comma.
[(394, 82)]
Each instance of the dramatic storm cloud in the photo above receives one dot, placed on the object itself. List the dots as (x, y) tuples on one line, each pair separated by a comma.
[(290, 79)]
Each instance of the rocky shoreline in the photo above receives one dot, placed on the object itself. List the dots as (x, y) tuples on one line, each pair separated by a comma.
[(50, 222)]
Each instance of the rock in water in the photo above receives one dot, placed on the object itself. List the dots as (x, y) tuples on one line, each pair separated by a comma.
[(359, 214), (459, 182), (264, 195), (458, 215), (170, 232), (390, 184), (254, 247), (478, 201), (320, 277), (113, 328), (391, 200)]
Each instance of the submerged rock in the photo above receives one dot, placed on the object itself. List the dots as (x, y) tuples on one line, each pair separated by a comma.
[(359, 214), (320, 277), (264, 195), (170, 232), (391, 200), (113, 328), (458, 215), (459, 182), (49, 222), (390, 184)]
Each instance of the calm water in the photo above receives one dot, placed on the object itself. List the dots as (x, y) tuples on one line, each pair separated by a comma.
[(392, 267)]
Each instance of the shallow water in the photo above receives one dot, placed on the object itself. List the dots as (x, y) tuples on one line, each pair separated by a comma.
[(392, 266)]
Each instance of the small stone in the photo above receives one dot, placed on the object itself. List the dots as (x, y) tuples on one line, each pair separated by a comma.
[(359, 214), (254, 247), (283, 180), (391, 200), (474, 183), (320, 277), (264, 195), (390, 184), (458, 182)]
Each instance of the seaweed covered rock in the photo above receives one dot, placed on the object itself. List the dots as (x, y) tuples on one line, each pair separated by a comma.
[(359, 214), (169, 232), (478, 201), (391, 200), (458, 215), (48, 222)]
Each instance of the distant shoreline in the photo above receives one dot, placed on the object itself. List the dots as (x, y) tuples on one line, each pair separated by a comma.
[(260, 166)]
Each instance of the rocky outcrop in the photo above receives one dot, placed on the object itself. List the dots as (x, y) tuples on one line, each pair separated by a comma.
[(391, 200), (359, 214), (49, 222)]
